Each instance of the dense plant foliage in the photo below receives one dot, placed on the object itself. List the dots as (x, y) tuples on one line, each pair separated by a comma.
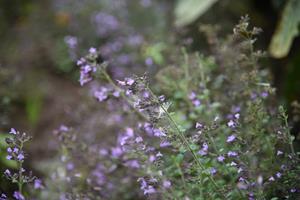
[(204, 127)]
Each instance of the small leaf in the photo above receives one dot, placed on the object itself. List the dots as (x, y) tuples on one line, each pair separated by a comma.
[(187, 11), (286, 30)]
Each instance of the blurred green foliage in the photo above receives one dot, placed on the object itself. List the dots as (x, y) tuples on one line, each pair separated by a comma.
[(287, 29)]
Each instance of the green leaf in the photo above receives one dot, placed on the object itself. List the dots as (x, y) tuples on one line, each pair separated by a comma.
[(286, 30), (187, 11)]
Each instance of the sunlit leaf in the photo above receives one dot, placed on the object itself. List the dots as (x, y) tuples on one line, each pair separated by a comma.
[(287, 30), (187, 11)]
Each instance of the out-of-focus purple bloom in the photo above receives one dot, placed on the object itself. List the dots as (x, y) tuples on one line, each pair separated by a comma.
[(166, 184), (231, 138), (18, 196), (20, 157), (165, 144), (221, 158), (253, 96), (204, 149), (149, 190), (271, 178), (9, 150), (279, 153), (101, 94), (7, 173), (3, 197), (264, 94), (196, 102), (116, 152), (278, 174), (235, 109), (237, 116), (138, 139), (192, 95), (232, 154), (231, 124), (213, 171), (38, 184), (159, 133), (132, 164), (149, 61), (161, 98), (199, 125), (8, 157), (105, 23), (13, 131), (71, 41), (15, 150), (293, 190), (152, 158), (92, 50)]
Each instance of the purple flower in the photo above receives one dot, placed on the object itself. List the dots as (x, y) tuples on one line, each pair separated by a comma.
[(38, 184), (264, 94), (149, 190), (92, 50), (8, 157), (279, 153), (7, 173), (159, 133), (293, 190), (18, 196), (165, 144), (116, 152), (196, 102), (231, 138), (213, 171), (3, 197), (20, 157), (132, 164), (101, 94), (129, 81), (199, 125), (221, 158), (166, 184), (204, 150), (13, 131), (192, 95), (149, 61), (271, 178), (231, 124), (138, 139), (278, 174), (232, 154), (9, 150)]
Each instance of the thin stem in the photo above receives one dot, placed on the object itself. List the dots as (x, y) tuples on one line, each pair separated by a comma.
[(108, 78), (20, 181), (185, 142), (289, 134)]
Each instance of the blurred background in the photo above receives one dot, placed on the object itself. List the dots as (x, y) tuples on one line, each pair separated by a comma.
[(40, 42)]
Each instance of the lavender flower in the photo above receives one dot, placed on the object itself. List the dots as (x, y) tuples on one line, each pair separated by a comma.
[(18, 196), (213, 171), (221, 158), (204, 149), (38, 184), (231, 138), (231, 124), (232, 154), (166, 184)]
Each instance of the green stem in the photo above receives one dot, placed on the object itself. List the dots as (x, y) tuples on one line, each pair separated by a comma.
[(185, 142)]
